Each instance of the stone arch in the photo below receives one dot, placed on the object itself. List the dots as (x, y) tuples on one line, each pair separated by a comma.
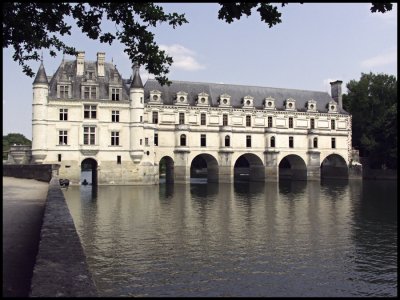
[(204, 166), (334, 166), (248, 167), (166, 169), (292, 167), (90, 164)]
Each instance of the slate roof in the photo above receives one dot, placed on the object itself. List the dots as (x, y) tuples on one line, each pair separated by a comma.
[(66, 72), (237, 92), (41, 75), (137, 81)]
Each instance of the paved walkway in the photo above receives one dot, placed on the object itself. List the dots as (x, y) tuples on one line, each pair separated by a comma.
[(23, 208)]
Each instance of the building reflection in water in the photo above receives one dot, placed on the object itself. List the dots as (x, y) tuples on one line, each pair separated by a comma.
[(329, 238)]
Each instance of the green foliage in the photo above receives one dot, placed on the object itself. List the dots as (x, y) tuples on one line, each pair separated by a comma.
[(372, 101), (32, 26), (43, 26), (11, 139)]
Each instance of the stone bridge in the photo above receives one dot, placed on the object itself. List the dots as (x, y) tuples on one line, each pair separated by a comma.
[(228, 165)]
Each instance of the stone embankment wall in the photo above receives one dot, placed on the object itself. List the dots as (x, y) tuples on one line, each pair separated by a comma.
[(61, 269), (39, 172)]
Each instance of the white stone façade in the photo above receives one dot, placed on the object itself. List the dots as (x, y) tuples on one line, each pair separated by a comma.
[(86, 112)]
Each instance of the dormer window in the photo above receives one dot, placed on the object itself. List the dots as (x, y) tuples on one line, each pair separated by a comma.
[(269, 103), (311, 105), (248, 102), (202, 99), (89, 92), (63, 91), (181, 98), (332, 107), (224, 100), (115, 93), (90, 75), (155, 96), (290, 104)]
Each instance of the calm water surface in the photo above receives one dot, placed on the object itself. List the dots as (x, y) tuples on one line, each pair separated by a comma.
[(270, 239)]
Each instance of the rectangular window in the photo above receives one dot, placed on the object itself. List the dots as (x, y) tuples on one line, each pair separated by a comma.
[(89, 135), (269, 121), (248, 121), (93, 92), (63, 137), (59, 157), (64, 91), (119, 159), (333, 143), (146, 141), (203, 119), (181, 118), (156, 139), (224, 120), (203, 142), (86, 92), (115, 116), (291, 142), (332, 124), (63, 114), (155, 117), (312, 123), (141, 119), (140, 141), (290, 122), (248, 141), (115, 94), (114, 138), (89, 92), (89, 112)]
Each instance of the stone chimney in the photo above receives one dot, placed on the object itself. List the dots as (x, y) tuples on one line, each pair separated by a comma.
[(80, 63), (336, 92), (101, 57)]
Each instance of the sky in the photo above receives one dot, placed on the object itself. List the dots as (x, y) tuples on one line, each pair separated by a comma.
[(314, 45)]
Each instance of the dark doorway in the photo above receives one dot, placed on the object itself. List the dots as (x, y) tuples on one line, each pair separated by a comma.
[(166, 170), (89, 171)]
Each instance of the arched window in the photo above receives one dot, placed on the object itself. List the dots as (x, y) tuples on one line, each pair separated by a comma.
[(183, 139), (227, 141), (291, 142), (315, 142), (272, 143)]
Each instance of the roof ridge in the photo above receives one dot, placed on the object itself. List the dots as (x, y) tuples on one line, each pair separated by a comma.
[(242, 85)]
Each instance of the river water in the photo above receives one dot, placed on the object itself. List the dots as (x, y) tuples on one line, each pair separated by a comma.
[(329, 238)]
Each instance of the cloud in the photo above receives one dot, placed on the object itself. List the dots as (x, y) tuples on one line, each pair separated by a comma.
[(390, 57), (184, 58)]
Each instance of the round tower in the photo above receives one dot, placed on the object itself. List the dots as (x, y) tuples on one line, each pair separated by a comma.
[(136, 98), (39, 115)]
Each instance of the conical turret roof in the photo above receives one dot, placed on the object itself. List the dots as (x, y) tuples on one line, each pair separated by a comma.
[(136, 81), (41, 76)]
